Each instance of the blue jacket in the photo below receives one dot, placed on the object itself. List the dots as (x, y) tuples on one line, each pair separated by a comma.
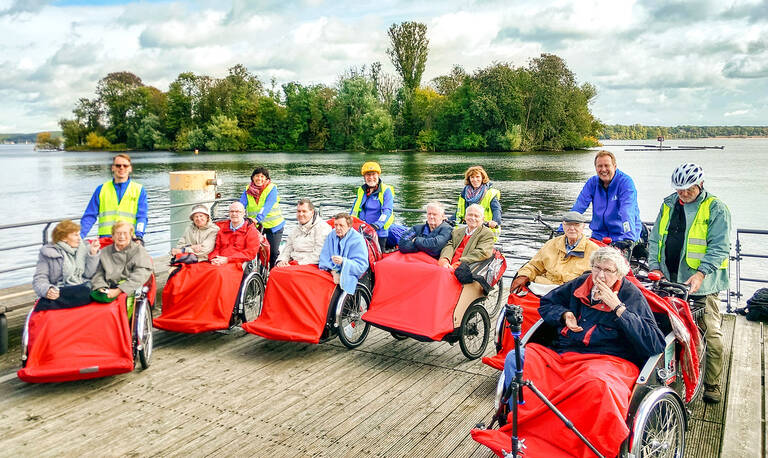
[(371, 210), (615, 213), (92, 210), (269, 202), (420, 238), (355, 253), (634, 336)]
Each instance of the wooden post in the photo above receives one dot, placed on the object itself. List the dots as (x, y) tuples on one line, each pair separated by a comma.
[(189, 187)]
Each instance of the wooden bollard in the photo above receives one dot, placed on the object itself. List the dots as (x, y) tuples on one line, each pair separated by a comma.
[(189, 187)]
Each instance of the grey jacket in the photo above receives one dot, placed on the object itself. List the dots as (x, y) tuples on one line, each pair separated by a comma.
[(305, 242), (133, 264), (195, 236), (48, 271)]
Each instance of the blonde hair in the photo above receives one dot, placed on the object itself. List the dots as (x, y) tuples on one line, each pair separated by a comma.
[(120, 224), (474, 170), (63, 229), (602, 153), (123, 155)]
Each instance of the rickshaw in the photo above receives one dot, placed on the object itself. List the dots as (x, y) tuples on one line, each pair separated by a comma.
[(89, 341)]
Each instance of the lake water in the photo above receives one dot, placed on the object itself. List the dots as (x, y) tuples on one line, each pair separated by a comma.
[(59, 184)]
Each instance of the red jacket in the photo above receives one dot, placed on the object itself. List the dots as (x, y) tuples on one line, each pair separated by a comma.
[(237, 246)]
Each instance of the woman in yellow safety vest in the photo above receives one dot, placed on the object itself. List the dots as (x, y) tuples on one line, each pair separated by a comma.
[(478, 189), (262, 204)]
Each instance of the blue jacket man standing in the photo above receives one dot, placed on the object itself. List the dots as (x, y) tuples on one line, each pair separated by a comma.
[(613, 197)]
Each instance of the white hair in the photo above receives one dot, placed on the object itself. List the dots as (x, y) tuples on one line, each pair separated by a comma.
[(237, 203), (436, 205), (610, 254), (477, 207)]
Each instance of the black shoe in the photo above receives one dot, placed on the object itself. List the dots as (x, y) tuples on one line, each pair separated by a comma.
[(712, 394)]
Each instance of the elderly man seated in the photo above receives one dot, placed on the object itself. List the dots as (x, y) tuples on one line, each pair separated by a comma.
[(605, 333), (430, 237), (200, 297), (344, 254), (470, 243), (305, 242), (562, 258)]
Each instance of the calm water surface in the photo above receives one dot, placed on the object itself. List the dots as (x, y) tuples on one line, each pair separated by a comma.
[(50, 185)]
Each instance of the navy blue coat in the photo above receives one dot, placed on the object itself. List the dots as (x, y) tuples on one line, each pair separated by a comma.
[(634, 336), (431, 243)]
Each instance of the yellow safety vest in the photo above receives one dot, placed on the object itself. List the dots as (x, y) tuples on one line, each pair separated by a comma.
[(382, 189), (696, 238), (271, 219), (112, 211), (461, 209)]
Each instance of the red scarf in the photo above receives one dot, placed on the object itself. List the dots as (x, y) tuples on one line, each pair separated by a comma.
[(255, 191)]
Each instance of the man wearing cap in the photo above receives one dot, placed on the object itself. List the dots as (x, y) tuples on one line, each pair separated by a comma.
[(200, 237), (690, 243), (562, 258), (119, 199), (613, 197), (375, 202)]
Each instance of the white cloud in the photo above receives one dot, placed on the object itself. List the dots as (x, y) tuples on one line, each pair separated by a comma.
[(735, 113)]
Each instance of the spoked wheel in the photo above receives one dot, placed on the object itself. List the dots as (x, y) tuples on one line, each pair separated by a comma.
[(144, 334), (398, 336), (660, 426), (495, 298), (474, 331), (352, 329), (252, 297)]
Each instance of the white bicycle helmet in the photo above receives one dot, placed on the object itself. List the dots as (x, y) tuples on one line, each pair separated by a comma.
[(687, 175)]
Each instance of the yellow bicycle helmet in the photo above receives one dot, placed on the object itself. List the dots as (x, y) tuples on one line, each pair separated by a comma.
[(371, 167)]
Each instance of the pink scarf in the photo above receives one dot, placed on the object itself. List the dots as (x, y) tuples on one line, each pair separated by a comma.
[(255, 191)]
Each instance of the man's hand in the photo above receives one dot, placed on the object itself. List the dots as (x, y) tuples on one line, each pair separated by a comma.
[(571, 322), (219, 260), (281, 264), (493, 224), (175, 251), (337, 259), (53, 293), (444, 262), (113, 292), (695, 281), (376, 225), (518, 283), (336, 277), (196, 248)]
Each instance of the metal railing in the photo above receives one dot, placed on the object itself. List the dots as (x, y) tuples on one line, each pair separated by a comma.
[(741, 255)]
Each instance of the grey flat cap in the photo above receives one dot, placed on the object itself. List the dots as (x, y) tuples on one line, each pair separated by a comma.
[(574, 217)]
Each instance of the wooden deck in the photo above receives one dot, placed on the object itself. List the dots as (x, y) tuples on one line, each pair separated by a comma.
[(236, 394)]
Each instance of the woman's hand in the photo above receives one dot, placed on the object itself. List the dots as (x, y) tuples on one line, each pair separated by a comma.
[(282, 264), (444, 262), (336, 277), (53, 293), (219, 260), (175, 251), (196, 248), (94, 246), (337, 259), (571, 322), (113, 292), (606, 294)]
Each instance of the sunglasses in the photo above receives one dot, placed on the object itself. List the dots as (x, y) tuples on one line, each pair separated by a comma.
[(119, 166)]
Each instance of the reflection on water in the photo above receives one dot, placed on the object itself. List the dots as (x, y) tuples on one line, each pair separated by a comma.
[(48, 185)]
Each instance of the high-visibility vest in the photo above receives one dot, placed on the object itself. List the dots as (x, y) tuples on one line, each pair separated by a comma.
[(271, 219), (490, 193), (695, 239), (112, 211), (359, 202)]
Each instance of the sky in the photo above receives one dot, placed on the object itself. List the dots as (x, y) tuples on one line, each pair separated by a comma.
[(653, 62)]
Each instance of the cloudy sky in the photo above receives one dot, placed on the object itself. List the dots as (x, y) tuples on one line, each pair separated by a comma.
[(652, 61)]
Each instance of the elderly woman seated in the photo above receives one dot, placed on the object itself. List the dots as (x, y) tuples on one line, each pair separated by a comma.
[(200, 236), (65, 267), (605, 333), (123, 266), (470, 243), (344, 254), (562, 258), (430, 237), (305, 242)]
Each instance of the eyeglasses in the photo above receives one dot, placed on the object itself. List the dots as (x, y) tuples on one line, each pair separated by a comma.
[(598, 269), (121, 165)]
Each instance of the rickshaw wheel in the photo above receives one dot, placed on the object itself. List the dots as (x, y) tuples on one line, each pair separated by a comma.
[(144, 335), (495, 298), (352, 329), (660, 432), (474, 331), (252, 297)]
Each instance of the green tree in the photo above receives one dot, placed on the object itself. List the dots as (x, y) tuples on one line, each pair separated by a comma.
[(117, 93), (225, 135), (96, 141), (408, 51), (74, 133)]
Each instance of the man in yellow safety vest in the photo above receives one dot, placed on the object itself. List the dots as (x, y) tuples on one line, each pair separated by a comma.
[(120, 199), (690, 243)]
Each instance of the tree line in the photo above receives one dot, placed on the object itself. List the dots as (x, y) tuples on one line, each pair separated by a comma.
[(497, 108), (641, 132)]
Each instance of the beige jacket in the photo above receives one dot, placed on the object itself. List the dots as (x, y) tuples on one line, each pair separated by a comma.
[(550, 267), (479, 246), (194, 236), (305, 242), (131, 266)]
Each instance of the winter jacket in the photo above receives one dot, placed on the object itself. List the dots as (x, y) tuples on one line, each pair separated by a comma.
[(420, 238), (49, 269), (305, 242), (479, 246), (131, 266), (92, 210), (237, 246), (355, 253), (718, 245), (615, 213), (550, 266), (205, 236), (634, 336)]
